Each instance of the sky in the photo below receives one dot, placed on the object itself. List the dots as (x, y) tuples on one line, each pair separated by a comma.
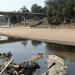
[(15, 5)]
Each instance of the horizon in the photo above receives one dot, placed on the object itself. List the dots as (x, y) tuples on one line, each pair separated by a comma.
[(16, 5)]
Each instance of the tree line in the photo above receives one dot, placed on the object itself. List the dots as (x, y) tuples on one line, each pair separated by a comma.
[(58, 11), (34, 9)]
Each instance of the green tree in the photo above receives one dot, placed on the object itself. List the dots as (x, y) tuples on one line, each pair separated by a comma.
[(24, 9), (15, 19), (44, 9), (60, 10), (36, 9)]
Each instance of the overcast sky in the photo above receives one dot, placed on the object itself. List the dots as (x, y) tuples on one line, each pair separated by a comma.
[(15, 5)]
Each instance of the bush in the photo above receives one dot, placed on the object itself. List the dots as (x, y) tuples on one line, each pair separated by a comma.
[(54, 20)]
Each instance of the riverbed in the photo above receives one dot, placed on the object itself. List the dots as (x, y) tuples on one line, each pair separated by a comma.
[(25, 49)]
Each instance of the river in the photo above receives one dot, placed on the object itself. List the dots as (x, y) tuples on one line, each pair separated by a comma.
[(25, 49)]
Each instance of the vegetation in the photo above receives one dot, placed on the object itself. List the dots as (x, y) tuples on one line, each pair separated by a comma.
[(16, 19), (37, 9), (34, 9), (60, 11), (24, 9)]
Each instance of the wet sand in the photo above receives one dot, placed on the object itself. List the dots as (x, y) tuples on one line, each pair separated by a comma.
[(64, 36)]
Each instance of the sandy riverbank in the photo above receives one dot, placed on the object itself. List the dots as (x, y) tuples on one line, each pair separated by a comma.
[(62, 35)]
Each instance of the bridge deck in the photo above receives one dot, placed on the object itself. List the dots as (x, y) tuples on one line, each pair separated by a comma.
[(61, 36)]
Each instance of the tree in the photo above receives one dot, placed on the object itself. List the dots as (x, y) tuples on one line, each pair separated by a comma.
[(60, 10), (44, 9), (19, 17), (24, 9), (36, 9), (13, 19)]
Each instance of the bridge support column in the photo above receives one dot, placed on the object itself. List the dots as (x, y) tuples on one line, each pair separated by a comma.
[(38, 20), (24, 21), (9, 21)]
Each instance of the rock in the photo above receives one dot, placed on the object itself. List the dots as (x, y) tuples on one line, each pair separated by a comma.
[(5, 55), (15, 73), (20, 72), (15, 66), (37, 57), (56, 66)]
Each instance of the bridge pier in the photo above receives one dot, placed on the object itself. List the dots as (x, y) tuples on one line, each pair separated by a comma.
[(24, 21), (8, 21), (38, 19)]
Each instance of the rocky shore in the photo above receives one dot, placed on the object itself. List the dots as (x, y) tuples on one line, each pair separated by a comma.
[(25, 68), (56, 66)]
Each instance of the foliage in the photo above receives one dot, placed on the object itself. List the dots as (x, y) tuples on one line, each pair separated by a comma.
[(13, 19), (19, 18), (24, 9), (38, 9), (60, 10)]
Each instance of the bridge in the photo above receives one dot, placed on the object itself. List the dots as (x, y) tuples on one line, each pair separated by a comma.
[(23, 14), (60, 36), (63, 36)]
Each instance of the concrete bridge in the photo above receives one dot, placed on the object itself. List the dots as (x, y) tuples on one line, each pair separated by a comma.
[(59, 36), (23, 14)]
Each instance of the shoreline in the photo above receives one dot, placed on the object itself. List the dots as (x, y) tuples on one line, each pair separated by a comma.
[(63, 36)]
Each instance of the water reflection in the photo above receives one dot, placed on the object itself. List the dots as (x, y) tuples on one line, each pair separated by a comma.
[(35, 43), (59, 47), (67, 52), (61, 50), (25, 49), (25, 42)]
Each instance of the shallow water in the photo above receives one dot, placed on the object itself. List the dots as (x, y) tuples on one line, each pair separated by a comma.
[(24, 50), (3, 38)]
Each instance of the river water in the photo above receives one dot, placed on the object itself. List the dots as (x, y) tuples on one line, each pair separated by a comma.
[(3, 38), (24, 50)]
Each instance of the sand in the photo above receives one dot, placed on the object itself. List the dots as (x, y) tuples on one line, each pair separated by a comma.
[(64, 36)]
